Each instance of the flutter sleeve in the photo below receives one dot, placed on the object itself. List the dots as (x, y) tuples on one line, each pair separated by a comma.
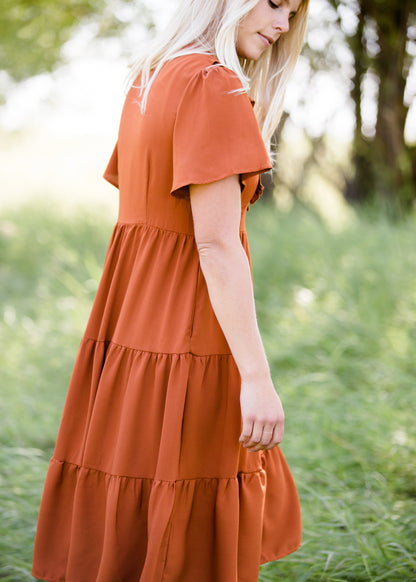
[(111, 171), (216, 133)]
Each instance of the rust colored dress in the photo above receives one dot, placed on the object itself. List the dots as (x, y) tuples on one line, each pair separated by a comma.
[(148, 482)]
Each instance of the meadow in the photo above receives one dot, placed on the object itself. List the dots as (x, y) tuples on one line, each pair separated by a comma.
[(338, 316)]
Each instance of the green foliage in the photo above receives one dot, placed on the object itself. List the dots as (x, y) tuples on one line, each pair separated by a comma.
[(338, 315), (33, 32)]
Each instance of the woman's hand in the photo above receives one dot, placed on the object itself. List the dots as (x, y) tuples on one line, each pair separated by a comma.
[(262, 414)]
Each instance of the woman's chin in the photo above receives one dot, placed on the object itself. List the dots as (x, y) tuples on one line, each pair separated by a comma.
[(252, 55)]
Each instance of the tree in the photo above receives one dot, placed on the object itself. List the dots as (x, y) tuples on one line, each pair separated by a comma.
[(382, 45), (33, 32)]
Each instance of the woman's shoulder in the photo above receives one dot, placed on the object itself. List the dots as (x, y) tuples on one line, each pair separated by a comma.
[(203, 65), (191, 63)]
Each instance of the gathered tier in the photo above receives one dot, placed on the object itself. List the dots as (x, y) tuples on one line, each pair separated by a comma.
[(148, 482)]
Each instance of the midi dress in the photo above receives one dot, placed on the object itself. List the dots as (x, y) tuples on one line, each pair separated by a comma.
[(148, 481)]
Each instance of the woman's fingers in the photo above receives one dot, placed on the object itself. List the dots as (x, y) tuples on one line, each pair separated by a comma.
[(262, 437), (246, 432), (256, 435)]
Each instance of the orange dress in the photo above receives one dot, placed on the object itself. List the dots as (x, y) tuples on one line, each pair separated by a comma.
[(148, 482)]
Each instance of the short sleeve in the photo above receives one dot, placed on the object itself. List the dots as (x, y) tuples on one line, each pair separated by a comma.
[(111, 171), (216, 133)]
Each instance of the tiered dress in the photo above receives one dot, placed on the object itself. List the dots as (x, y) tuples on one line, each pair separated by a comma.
[(148, 482)]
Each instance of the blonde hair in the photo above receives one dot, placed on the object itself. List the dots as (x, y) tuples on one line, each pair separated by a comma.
[(210, 27)]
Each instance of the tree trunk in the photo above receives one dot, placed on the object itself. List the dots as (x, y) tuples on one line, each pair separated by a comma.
[(394, 178), (384, 166), (360, 186)]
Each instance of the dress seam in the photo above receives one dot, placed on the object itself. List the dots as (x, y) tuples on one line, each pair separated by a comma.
[(162, 229), (154, 479), (108, 342), (155, 226), (194, 305)]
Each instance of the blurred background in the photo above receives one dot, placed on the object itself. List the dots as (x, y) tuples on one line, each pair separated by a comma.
[(334, 253), (350, 110)]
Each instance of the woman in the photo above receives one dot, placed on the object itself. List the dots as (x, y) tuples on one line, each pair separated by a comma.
[(166, 466)]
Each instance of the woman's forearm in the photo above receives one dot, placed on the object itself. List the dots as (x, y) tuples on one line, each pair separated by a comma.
[(227, 273), (216, 210)]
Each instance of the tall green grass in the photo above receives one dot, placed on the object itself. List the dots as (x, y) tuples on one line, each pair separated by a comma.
[(338, 316), (49, 266), (338, 313)]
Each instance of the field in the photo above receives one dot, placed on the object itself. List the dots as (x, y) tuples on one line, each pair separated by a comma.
[(338, 317)]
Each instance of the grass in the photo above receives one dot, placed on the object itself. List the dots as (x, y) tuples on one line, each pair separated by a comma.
[(338, 317)]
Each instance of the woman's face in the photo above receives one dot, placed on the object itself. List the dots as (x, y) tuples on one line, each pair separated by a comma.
[(268, 20)]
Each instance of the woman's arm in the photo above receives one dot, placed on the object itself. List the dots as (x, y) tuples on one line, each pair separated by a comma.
[(216, 211)]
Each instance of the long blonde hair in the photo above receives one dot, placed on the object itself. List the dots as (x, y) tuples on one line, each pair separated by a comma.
[(211, 26)]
